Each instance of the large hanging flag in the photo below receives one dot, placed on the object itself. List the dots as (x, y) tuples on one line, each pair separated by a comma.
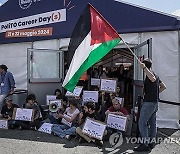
[(93, 37)]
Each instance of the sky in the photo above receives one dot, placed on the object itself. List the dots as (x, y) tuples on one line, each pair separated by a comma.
[(167, 6)]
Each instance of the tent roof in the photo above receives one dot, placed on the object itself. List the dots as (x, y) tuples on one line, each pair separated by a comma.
[(124, 17)]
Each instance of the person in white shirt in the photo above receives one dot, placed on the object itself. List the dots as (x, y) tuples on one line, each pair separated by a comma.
[(69, 121)]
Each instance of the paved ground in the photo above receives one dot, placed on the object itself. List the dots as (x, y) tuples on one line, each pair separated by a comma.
[(34, 142)]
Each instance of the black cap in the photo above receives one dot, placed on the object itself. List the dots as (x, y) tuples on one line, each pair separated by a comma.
[(8, 99)]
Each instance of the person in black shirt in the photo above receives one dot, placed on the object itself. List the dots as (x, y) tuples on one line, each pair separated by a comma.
[(147, 121), (89, 111), (7, 109)]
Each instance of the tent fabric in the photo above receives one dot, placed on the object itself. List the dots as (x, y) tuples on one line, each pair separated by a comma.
[(165, 58), (125, 18)]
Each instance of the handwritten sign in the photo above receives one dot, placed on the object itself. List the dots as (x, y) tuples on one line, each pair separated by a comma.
[(64, 121), (95, 82), (46, 128), (116, 122), (108, 85), (77, 91), (94, 128), (50, 98), (4, 124), (23, 114), (90, 96)]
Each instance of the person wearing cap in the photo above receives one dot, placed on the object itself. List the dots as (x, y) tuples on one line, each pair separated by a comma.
[(7, 84), (147, 121), (7, 109)]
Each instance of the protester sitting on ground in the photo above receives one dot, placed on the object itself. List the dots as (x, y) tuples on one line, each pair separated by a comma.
[(7, 109), (69, 120), (53, 117), (89, 111), (59, 94), (116, 109), (30, 104), (106, 102)]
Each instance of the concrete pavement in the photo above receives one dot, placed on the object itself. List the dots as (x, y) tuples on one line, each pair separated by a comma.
[(34, 142)]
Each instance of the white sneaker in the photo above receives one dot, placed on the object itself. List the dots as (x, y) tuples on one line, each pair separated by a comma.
[(67, 137)]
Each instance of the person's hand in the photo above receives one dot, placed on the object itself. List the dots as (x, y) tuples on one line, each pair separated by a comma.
[(11, 92), (142, 65), (60, 115), (9, 118), (119, 113), (81, 115)]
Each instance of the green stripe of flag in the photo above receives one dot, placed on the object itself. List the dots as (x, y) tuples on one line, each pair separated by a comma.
[(93, 57)]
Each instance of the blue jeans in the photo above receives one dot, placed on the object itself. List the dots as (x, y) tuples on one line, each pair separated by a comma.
[(63, 130), (147, 121)]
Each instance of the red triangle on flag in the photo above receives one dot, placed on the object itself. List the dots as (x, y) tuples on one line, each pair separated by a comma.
[(101, 30)]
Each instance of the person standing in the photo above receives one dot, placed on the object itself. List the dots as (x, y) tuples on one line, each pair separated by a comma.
[(7, 84), (147, 121)]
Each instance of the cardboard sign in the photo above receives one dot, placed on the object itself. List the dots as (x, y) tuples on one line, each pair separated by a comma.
[(64, 121), (116, 122), (77, 91), (95, 82), (90, 96), (108, 85), (119, 99), (4, 124), (23, 114), (50, 98), (46, 128), (94, 128)]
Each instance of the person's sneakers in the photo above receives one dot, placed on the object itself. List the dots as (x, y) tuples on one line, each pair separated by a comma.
[(151, 145), (99, 143), (81, 140), (68, 137), (33, 128), (142, 148)]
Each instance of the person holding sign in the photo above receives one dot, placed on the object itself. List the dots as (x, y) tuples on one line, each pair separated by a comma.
[(30, 104), (69, 121), (7, 109), (116, 109), (89, 111)]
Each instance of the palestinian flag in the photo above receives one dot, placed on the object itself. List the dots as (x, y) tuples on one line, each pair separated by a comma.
[(93, 37)]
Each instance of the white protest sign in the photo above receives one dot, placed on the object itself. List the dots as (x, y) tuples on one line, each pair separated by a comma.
[(116, 122), (119, 99), (46, 128), (64, 121), (24, 114), (90, 96), (94, 128), (4, 124), (77, 91), (95, 82), (50, 98), (108, 85)]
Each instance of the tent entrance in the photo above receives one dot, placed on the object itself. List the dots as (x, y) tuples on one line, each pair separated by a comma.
[(133, 83), (45, 72)]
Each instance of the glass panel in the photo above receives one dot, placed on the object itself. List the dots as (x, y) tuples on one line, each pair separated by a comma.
[(142, 53), (44, 65)]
